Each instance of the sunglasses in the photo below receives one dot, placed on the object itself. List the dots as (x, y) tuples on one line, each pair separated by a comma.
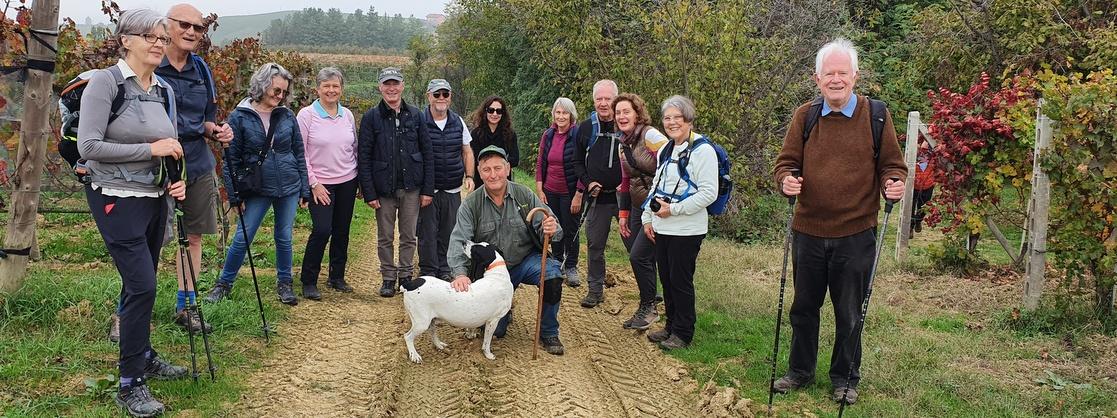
[(278, 92), (499, 111), (184, 25), (149, 38), (441, 94)]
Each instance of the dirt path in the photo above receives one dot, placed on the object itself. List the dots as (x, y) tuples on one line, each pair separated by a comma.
[(345, 356)]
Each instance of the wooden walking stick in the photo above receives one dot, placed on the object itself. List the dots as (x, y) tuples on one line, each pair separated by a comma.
[(542, 283)]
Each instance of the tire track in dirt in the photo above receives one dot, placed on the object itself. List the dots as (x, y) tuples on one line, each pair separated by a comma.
[(344, 356)]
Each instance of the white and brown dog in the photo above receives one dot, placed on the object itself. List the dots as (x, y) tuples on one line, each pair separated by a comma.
[(488, 299)]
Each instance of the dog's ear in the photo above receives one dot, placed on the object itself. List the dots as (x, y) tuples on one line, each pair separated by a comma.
[(483, 254)]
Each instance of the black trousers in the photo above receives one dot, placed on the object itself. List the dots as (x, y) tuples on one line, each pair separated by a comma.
[(641, 256), (132, 228), (567, 251), (436, 222), (676, 257), (920, 198), (331, 225), (842, 266)]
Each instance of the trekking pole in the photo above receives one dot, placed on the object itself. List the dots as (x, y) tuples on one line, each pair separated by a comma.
[(868, 293), (174, 174), (248, 249), (585, 211), (783, 283), (542, 284)]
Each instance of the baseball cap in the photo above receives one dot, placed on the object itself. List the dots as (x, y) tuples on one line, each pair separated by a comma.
[(438, 84), (492, 149), (390, 73)]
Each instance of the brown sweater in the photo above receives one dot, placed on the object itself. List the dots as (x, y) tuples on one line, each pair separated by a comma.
[(841, 189)]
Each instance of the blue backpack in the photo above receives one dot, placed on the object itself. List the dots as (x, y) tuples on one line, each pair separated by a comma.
[(725, 182)]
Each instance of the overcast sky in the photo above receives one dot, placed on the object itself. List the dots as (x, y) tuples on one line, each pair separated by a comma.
[(80, 9)]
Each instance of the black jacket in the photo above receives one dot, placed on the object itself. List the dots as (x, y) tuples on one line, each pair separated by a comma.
[(394, 152), (601, 162)]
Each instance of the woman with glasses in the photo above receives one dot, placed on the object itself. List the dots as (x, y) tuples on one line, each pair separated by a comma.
[(492, 125), (127, 195), (264, 167)]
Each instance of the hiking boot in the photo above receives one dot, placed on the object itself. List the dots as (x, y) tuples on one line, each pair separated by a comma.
[(850, 397), (310, 291), (159, 369), (659, 336), (918, 226), (673, 343), (189, 320), (552, 345), (593, 299), (659, 297), (114, 327), (286, 294), (788, 383), (644, 317), (220, 291), (573, 279), (137, 400), (339, 285), (388, 289)]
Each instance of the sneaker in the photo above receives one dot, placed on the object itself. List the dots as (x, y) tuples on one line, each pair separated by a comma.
[(189, 320), (659, 336), (644, 317), (572, 277), (114, 327), (159, 369), (286, 294), (552, 345), (137, 400), (388, 289), (788, 383), (840, 392), (220, 291), (310, 291), (339, 285), (673, 343), (593, 299)]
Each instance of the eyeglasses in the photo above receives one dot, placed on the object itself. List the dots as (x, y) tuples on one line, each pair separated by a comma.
[(278, 92), (441, 94), (184, 25), (497, 110), (149, 38)]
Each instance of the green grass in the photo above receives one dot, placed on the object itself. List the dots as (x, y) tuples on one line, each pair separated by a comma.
[(52, 332)]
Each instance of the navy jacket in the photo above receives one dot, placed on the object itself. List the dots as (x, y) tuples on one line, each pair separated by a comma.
[(446, 148), (284, 165), (394, 152)]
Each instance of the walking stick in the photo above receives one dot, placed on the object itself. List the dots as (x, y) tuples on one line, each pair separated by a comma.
[(868, 293), (248, 249), (783, 283), (542, 283), (186, 260)]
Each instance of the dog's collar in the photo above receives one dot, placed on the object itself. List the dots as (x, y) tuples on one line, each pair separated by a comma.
[(496, 264)]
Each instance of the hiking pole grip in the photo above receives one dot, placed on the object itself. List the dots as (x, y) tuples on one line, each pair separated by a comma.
[(795, 172), (888, 203)]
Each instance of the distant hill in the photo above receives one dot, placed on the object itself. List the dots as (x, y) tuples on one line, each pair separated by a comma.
[(229, 27)]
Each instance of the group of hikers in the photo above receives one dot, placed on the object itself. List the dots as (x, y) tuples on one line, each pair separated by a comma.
[(413, 166)]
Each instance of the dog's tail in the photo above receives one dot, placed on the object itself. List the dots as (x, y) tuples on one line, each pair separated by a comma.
[(413, 284)]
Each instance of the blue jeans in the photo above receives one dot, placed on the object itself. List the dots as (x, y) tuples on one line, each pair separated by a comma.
[(254, 209), (528, 272)]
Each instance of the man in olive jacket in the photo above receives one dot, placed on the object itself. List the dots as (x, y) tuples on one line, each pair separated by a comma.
[(394, 168)]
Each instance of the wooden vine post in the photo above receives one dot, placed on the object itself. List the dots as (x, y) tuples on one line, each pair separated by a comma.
[(1039, 206)]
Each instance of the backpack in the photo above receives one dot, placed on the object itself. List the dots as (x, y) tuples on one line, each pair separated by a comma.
[(725, 182), (69, 106), (877, 111)]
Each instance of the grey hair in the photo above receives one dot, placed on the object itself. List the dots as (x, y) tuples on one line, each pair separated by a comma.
[(567, 105), (607, 83), (327, 73), (839, 44), (261, 80), (134, 21), (685, 106)]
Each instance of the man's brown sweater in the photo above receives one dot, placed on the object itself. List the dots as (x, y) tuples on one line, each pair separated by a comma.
[(841, 188)]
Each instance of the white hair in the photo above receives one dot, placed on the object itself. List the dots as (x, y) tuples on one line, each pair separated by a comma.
[(261, 81), (607, 83), (839, 44), (137, 22), (567, 105)]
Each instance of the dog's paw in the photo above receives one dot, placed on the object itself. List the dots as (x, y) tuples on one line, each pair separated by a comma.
[(471, 333), (489, 355), (415, 357), (441, 345)]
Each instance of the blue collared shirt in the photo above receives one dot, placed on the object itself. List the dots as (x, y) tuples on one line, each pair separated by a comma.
[(195, 107), (847, 110)]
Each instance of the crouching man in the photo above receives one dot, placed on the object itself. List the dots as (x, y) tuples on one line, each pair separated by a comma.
[(497, 217)]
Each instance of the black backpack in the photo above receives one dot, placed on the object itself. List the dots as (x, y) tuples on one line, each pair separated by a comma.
[(877, 111)]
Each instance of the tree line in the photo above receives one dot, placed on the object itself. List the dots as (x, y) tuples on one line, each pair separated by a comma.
[(332, 28)]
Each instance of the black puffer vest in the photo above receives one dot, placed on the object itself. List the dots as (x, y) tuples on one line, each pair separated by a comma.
[(567, 156), (446, 150)]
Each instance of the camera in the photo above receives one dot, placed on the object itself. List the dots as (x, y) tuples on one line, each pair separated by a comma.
[(654, 204)]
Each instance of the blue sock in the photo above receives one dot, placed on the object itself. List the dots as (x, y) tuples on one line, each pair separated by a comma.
[(149, 354), (126, 382), (181, 304), (192, 297)]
